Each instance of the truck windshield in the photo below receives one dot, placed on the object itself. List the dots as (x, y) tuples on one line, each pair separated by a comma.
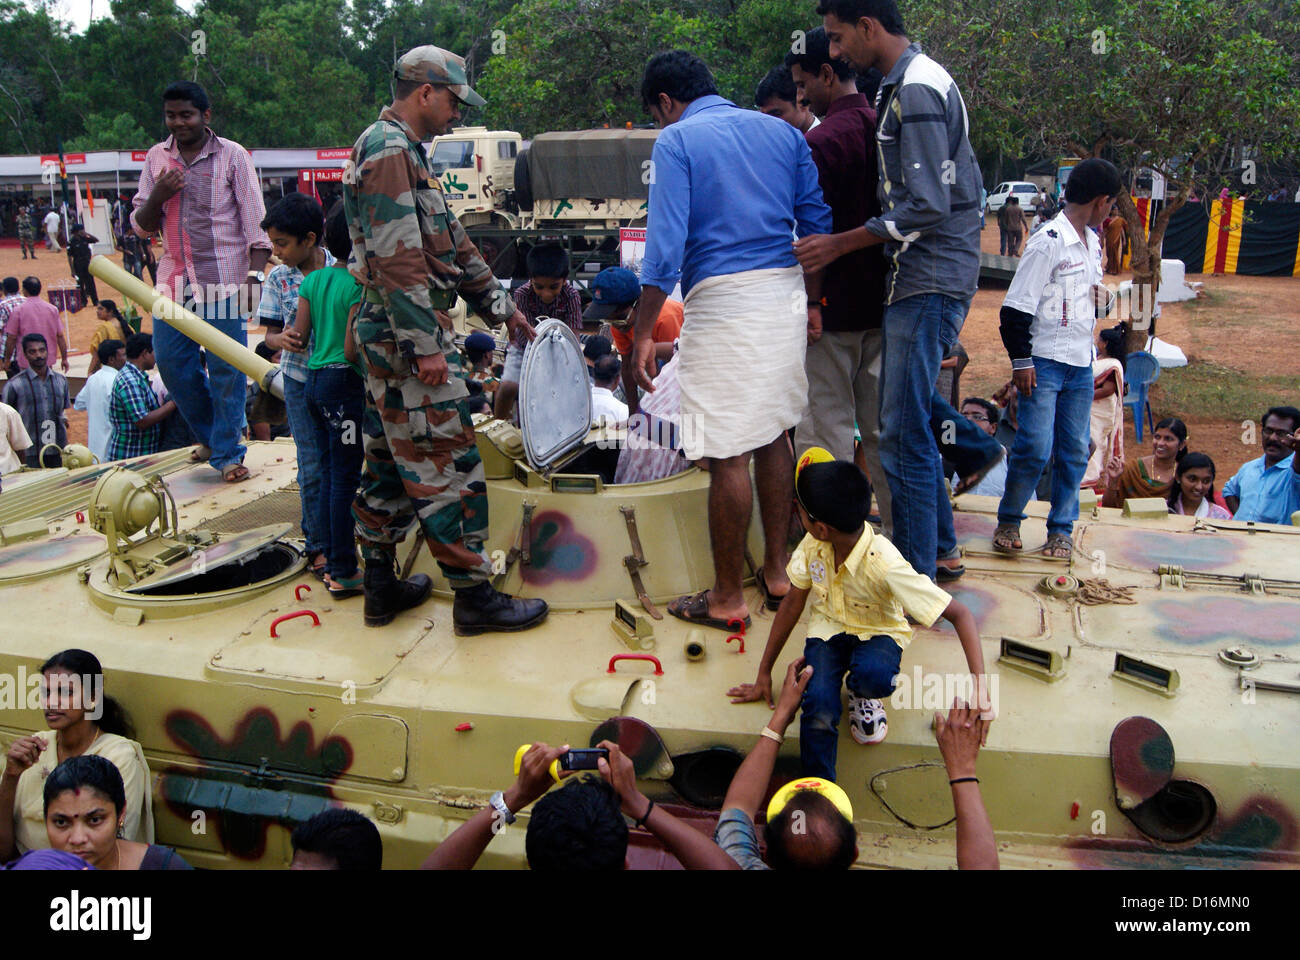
[(452, 155)]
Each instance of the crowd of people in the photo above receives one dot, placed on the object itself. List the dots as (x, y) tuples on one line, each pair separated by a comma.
[(826, 245), (79, 796)]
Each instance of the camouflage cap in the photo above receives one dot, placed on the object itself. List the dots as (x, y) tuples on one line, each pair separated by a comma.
[(430, 64)]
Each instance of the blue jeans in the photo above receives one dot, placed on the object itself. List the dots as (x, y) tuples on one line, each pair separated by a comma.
[(336, 401), (212, 403), (310, 465), (1055, 416), (871, 665), (918, 332)]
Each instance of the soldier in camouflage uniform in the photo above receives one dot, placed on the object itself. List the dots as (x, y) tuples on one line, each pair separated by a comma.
[(412, 256), (27, 230)]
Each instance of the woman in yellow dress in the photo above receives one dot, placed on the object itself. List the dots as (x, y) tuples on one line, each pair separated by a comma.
[(83, 721), (112, 326)]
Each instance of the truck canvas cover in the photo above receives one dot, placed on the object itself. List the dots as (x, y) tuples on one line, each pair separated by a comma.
[(607, 164)]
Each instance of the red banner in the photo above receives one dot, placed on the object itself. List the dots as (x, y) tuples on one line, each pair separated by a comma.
[(137, 156), (334, 153), (67, 158)]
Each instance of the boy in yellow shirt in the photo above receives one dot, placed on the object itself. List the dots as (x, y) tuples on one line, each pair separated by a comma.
[(863, 591)]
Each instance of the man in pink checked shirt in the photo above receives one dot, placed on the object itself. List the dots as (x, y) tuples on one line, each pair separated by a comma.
[(202, 192)]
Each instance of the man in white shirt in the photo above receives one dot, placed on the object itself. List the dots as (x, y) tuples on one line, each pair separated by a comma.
[(52, 231), (1048, 318), (604, 405), (96, 393), (14, 440)]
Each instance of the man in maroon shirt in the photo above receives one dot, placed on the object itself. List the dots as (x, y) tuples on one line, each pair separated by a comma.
[(844, 365)]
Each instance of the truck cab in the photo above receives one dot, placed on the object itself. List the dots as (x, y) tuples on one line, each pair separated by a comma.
[(475, 166)]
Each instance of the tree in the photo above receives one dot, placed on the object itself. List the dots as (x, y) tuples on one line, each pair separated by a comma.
[(1189, 88), (120, 132), (573, 64)]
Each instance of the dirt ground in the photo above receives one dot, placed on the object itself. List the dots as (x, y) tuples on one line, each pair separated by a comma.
[(1248, 328), (1245, 331)]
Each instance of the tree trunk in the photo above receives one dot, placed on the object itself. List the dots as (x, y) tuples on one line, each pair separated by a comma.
[(1145, 262)]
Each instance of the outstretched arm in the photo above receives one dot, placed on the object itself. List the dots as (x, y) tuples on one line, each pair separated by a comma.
[(959, 739), (693, 849), (749, 785), (463, 848)]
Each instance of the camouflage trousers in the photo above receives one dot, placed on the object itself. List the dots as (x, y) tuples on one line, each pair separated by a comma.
[(421, 463)]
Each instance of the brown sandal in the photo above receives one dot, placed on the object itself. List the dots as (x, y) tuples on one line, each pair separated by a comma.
[(235, 473), (1006, 539), (200, 454), (695, 609), (1058, 547)]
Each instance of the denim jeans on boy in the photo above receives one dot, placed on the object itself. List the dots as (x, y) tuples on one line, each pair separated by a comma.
[(918, 332), (336, 401), (1055, 416), (311, 470), (871, 664), (212, 403)]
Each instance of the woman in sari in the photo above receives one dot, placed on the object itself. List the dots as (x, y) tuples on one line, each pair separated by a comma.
[(1107, 422), (112, 326), (1150, 476)]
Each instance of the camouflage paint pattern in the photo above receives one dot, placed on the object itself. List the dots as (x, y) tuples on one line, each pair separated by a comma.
[(421, 462), (412, 257)]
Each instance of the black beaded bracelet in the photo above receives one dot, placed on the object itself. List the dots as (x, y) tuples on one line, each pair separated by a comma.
[(641, 822), (964, 780)]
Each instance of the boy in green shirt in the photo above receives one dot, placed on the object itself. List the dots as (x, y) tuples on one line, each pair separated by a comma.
[(335, 400)]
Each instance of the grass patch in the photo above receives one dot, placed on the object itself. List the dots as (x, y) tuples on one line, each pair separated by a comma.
[(1205, 389)]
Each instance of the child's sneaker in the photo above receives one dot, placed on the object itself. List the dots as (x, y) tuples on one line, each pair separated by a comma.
[(867, 720)]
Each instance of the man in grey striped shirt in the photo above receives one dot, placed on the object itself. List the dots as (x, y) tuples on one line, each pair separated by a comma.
[(930, 227)]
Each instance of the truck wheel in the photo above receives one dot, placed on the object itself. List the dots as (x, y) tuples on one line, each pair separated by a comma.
[(501, 254), (523, 184)]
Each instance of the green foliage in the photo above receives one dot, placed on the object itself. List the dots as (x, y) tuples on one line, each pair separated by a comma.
[(1182, 82), (110, 133)]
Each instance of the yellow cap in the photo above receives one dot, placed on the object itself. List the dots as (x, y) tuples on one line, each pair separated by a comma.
[(810, 456), (829, 790)]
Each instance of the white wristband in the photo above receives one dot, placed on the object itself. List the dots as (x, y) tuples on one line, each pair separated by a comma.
[(772, 735)]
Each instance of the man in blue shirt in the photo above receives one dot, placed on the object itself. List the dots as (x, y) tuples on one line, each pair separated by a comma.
[(1267, 490), (728, 188)]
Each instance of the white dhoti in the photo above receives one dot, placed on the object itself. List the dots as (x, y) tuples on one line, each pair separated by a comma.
[(742, 348)]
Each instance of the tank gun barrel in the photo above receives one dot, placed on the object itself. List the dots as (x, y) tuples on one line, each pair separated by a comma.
[(267, 375)]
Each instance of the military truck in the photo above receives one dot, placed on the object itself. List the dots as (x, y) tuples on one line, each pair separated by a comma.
[(578, 187)]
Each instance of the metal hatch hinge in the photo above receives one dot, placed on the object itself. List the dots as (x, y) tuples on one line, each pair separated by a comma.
[(520, 549), (635, 561)]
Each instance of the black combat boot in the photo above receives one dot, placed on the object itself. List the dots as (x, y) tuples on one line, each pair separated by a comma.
[(386, 596), (481, 609)]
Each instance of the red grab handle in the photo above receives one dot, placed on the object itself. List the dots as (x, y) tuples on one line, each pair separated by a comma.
[(741, 638), (315, 620), (659, 670), (297, 591)]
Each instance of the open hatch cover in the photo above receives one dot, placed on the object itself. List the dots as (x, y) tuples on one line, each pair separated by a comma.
[(230, 549), (554, 394)]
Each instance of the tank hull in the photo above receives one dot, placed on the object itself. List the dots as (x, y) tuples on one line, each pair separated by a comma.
[(248, 734)]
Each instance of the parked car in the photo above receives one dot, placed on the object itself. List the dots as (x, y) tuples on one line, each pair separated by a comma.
[(1027, 193)]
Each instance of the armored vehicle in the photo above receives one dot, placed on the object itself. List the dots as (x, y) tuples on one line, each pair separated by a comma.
[(1147, 689)]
